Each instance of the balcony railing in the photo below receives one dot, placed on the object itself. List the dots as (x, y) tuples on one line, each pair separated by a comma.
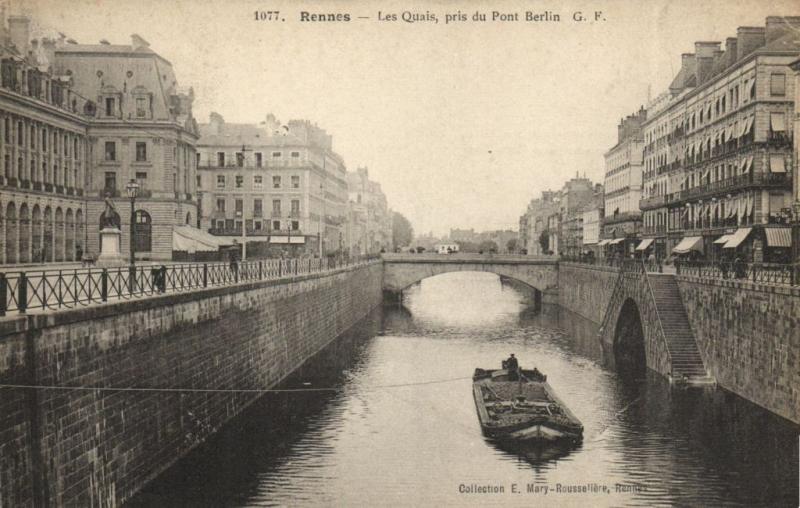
[(736, 183), (652, 202), (234, 231)]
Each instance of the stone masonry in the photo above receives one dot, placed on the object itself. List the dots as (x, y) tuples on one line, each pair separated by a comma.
[(98, 448)]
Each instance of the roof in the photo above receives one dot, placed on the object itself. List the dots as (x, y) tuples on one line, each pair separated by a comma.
[(235, 134)]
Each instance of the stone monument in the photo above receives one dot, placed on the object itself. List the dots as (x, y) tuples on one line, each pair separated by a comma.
[(110, 236)]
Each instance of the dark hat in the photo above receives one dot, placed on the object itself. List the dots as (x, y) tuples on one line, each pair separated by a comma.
[(512, 354)]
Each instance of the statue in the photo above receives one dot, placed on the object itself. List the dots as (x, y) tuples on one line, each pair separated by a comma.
[(110, 217)]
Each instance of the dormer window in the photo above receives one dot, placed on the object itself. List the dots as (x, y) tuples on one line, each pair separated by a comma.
[(143, 101), (141, 107)]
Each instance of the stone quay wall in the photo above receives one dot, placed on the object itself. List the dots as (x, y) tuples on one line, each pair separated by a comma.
[(749, 337), (586, 289), (92, 447)]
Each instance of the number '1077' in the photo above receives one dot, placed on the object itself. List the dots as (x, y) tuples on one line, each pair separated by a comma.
[(266, 15)]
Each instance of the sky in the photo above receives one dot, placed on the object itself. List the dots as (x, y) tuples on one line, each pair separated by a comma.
[(462, 123)]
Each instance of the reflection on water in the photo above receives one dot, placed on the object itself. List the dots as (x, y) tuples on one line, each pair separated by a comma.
[(402, 429)]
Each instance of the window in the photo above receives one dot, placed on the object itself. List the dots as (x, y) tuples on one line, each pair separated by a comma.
[(258, 182), (240, 159), (257, 225), (20, 134), (239, 205), (276, 182), (198, 181), (75, 153), (295, 154), (141, 107), (295, 182), (275, 155), (259, 161), (111, 151), (220, 204), (197, 160), (141, 179), (221, 159), (32, 136), (66, 145), (295, 207), (239, 181), (276, 225), (7, 131), (110, 106), (220, 224), (220, 181), (276, 207), (141, 151), (258, 207), (295, 225), (111, 181), (777, 84), (44, 140)]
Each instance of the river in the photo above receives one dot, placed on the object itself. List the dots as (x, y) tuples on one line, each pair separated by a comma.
[(399, 426)]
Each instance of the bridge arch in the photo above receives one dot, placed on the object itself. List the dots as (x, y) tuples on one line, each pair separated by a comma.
[(402, 271), (630, 356)]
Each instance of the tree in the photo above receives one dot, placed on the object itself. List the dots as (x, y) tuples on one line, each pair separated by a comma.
[(487, 246), (402, 232), (511, 245), (544, 241)]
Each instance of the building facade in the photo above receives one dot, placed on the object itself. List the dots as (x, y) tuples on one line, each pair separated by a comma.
[(140, 129), (718, 155), (44, 149), (280, 186), (623, 185), (369, 227)]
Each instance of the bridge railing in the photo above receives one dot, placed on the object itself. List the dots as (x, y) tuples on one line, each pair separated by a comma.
[(22, 291), (764, 273)]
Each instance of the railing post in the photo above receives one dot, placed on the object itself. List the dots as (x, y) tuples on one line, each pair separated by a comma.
[(280, 268), (260, 271), (296, 263), (22, 298), (205, 275), (3, 294), (104, 285)]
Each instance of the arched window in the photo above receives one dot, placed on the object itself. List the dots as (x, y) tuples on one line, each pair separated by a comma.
[(142, 232), (188, 218)]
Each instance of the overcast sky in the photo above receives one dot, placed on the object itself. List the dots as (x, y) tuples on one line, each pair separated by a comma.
[(462, 124)]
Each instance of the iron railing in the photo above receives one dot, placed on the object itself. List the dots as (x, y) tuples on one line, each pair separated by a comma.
[(60, 289), (764, 273)]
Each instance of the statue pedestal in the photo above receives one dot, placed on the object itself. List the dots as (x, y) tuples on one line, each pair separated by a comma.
[(110, 254)]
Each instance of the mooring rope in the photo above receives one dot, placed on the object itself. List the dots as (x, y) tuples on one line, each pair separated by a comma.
[(219, 390)]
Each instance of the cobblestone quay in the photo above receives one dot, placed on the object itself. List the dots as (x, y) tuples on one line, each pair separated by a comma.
[(78, 447)]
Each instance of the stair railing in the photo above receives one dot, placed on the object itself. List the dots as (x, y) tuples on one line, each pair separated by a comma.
[(658, 316), (611, 301)]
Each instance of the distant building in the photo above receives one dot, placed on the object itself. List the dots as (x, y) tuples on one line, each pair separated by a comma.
[(370, 223), (283, 184), (623, 185), (446, 248)]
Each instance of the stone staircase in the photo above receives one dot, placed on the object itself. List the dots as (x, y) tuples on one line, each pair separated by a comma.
[(687, 364)]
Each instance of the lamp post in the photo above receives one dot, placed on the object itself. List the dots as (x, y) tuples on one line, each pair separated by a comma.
[(132, 189)]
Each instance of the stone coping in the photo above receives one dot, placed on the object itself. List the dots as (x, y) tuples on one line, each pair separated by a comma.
[(64, 316), (599, 268), (456, 259)]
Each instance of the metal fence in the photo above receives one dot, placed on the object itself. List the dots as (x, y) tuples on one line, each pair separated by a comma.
[(59, 289), (765, 273)]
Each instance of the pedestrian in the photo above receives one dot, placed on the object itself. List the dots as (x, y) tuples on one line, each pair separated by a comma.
[(513, 368), (79, 253)]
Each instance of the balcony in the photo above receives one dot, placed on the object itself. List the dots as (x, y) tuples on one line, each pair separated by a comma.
[(70, 191), (764, 180), (238, 232), (11, 181), (622, 217), (37, 186), (652, 202), (48, 187), (59, 189), (114, 193), (24, 184)]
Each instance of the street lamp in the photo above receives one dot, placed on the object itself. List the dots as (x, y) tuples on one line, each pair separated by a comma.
[(132, 189)]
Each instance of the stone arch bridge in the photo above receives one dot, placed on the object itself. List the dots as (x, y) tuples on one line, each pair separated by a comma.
[(404, 270)]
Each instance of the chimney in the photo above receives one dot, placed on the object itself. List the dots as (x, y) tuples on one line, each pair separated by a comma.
[(705, 60), (750, 38), (49, 51), (138, 42), (215, 121), (778, 26), (19, 28), (731, 51)]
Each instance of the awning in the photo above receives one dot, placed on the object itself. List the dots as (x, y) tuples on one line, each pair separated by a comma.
[(722, 239), (644, 244), (737, 238), (750, 88), (747, 125), (189, 239), (689, 243), (779, 237), (615, 241), (602, 242), (776, 164), (777, 122)]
